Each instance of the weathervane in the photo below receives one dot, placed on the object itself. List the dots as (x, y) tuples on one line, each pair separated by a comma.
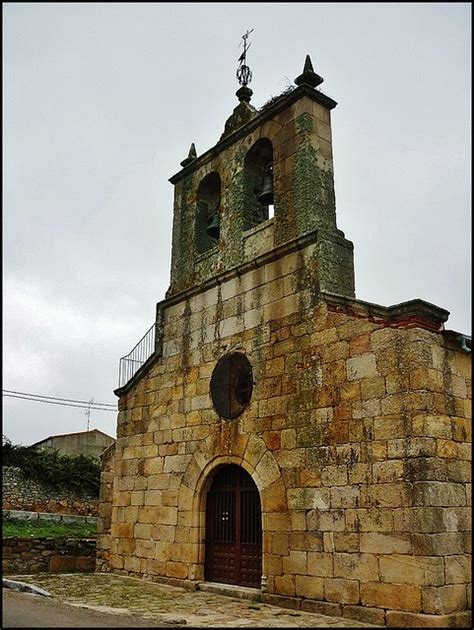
[(244, 75)]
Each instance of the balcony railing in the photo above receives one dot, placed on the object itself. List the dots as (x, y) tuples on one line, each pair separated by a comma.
[(132, 362)]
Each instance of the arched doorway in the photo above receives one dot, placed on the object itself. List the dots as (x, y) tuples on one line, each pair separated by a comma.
[(233, 529)]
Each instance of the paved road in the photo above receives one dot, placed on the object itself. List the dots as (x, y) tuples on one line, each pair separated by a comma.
[(24, 610)]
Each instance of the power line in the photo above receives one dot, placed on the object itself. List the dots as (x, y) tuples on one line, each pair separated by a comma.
[(72, 400), (53, 402), (56, 402)]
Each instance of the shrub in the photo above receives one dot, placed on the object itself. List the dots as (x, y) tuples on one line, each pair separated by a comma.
[(80, 473)]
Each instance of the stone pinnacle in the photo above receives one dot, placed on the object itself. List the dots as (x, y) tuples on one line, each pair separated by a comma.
[(309, 76), (192, 155)]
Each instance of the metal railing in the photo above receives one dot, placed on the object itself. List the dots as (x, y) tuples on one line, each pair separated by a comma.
[(132, 362)]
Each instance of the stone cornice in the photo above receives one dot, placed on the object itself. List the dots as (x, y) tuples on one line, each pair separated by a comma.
[(278, 252), (415, 311), (269, 112)]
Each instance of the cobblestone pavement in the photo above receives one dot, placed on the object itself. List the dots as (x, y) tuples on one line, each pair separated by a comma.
[(168, 604)]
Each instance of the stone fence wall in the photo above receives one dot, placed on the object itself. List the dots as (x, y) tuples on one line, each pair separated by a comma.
[(19, 493), (17, 515), (53, 555)]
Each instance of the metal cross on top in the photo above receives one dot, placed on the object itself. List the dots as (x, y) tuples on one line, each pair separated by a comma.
[(244, 75)]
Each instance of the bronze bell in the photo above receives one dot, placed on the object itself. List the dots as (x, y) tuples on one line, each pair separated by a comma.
[(266, 196), (213, 226)]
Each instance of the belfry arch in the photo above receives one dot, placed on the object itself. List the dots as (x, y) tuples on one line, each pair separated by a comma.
[(258, 182)]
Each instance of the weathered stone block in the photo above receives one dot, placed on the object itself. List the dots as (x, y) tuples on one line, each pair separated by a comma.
[(291, 458), (145, 549), (459, 472), (345, 497), (397, 596), (388, 495), (385, 472), (334, 476), (274, 498), (362, 366), (309, 586), (295, 563), (276, 522), (389, 427), (458, 569), (426, 469), (122, 530), (341, 591), (437, 493), (266, 471), (273, 564), (322, 608), (331, 521), (375, 616), (341, 541), (360, 344), (439, 600), (461, 429), (366, 408), (373, 387), (417, 620), (359, 566), (285, 585), (309, 498), (320, 564), (407, 569), (427, 378), (375, 542), (438, 544), (432, 426), (298, 521), (177, 570)]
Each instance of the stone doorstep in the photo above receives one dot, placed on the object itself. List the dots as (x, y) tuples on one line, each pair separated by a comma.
[(241, 592)]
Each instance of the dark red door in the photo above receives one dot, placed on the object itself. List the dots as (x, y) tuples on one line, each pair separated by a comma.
[(233, 529)]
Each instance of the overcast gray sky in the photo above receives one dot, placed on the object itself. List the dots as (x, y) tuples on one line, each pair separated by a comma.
[(101, 103)]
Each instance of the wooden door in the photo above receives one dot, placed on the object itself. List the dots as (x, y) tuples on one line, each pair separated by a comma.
[(233, 529)]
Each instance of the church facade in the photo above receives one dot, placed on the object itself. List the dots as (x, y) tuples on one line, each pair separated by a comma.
[(284, 436)]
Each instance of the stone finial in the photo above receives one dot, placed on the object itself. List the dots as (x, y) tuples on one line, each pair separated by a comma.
[(309, 76), (192, 155), (244, 94)]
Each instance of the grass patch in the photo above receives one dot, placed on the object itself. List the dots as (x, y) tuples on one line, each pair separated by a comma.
[(47, 529)]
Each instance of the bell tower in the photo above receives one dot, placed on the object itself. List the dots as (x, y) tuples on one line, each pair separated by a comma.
[(277, 158)]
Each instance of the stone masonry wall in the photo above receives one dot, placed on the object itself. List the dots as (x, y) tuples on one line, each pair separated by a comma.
[(53, 555), (105, 508), (19, 493), (357, 437)]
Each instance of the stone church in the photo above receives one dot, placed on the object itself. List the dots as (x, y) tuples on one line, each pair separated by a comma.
[(280, 435)]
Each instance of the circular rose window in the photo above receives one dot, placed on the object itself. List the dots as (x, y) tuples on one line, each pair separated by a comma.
[(231, 385)]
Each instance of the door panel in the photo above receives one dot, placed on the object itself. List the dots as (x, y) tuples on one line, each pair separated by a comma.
[(233, 529)]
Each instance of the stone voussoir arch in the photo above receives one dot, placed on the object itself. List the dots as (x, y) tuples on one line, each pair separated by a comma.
[(249, 452)]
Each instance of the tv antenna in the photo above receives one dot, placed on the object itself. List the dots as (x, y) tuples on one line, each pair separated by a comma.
[(88, 413)]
